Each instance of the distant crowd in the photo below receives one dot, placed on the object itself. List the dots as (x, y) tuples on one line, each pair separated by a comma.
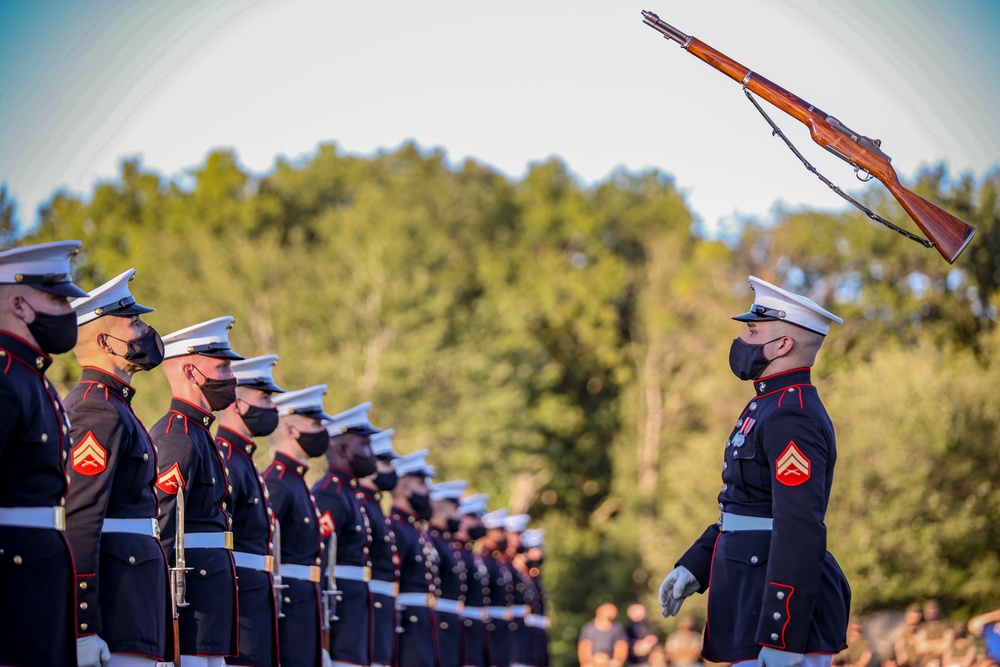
[(922, 639)]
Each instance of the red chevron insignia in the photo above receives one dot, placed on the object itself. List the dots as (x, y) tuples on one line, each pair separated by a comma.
[(326, 526), (171, 481), (89, 457), (793, 467)]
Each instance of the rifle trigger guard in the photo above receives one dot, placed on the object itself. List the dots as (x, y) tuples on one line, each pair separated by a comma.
[(862, 175)]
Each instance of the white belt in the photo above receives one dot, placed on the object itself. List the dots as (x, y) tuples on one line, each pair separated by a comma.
[(148, 527), (499, 613), (474, 613), (730, 523), (537, 621), (450, 606), (518, 611), (390, 588), (416, 600), (52, 518), (254, 561), (352, 572), (208, 540), (303, 572)]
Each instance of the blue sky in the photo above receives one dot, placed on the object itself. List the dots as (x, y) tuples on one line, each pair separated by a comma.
[(84, 85)]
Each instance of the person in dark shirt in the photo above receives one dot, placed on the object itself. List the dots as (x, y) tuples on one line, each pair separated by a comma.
[(641, 638), (603, 640)]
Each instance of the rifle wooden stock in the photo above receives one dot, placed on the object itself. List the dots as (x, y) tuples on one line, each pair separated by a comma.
[(949, 234)]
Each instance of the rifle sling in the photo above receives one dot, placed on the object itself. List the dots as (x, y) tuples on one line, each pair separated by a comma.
[(776, 131)]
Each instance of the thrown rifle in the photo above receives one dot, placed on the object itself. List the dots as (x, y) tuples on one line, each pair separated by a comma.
[(945, 232), (178, 576)]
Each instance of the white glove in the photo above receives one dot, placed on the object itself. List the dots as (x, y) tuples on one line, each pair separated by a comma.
[(676, 586), (772, 657), (327, 660), (92, 651)]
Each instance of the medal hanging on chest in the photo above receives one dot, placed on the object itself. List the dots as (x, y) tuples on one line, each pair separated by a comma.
[(741, 436)]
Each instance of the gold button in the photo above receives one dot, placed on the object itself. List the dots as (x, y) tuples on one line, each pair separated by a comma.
[(45, 437), (131, 559), (224, 504), (378, 605), (145, 457), (256, 500), (444, 626), (83, 605), (307, 519), (203, 573), (18, 560), (83, 585), (288, 600), (84, 626)]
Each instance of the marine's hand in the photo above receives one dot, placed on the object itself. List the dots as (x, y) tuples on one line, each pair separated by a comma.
[(92, 651), (772, 657), (676, 586)]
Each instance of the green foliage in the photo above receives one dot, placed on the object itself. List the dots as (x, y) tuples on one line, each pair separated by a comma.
[(564, 347)]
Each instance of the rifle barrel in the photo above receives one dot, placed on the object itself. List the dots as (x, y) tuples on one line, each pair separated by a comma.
[(667, 30)]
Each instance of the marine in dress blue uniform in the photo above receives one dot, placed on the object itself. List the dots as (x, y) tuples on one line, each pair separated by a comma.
[(499, 609), (347, 529), (537, 621), (36, 567), (300, 436), (778, 596), (471, 509), (251, 415), (197, 365), (384, 585), (452, 572), (411, 508), (111, 509), (514, 525)]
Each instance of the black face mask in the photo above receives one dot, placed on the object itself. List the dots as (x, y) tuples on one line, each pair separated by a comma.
[(502, 544), (260, 421), (145, 352), (386, 481), (363, 466), (421, 504), (220, 394), (477, 532), (314, 444), (453, 525), (54, 334), (534, 564), (748, 361)]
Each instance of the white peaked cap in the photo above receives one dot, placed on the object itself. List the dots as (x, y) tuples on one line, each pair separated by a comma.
[(111, 298), (495, 519), (772, 303), (381, 444), (516, 523), (352, 420), (474, 505), (430, 471), (209, 339), (307, 402), (255, 373), (414, 463), (44, 266), (533, 538), (451, 490)]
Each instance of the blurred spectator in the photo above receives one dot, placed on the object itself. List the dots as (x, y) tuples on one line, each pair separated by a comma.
[(933, 637), (858, 652), (641, 638), (987, 626), (684, 644), (961, 652), (603, 640), (906, 654)]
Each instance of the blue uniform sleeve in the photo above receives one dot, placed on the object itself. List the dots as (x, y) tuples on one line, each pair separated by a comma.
[(798, 446), (97, 433), (177, 463), (698, 558)]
